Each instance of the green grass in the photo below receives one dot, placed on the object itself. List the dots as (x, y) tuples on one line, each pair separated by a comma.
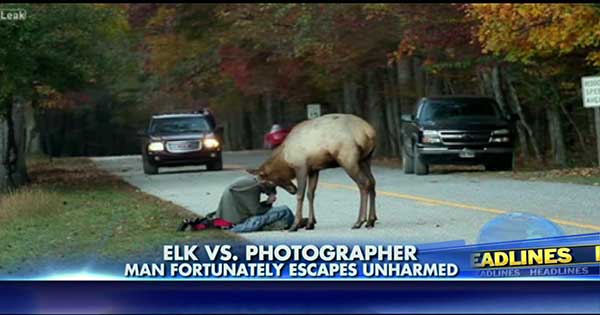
[(73, 211), (580, 175), (528, 172)]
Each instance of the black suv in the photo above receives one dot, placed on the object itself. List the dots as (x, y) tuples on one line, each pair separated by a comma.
[(181, 139), (457, 130)]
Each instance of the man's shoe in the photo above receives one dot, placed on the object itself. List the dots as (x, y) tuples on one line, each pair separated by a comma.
[(184, 225)]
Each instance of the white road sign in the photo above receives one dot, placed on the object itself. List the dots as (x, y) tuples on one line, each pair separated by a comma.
[(313, 111), (590, 86)]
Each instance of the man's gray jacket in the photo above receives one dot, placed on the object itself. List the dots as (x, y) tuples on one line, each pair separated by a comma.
[(241, 200)]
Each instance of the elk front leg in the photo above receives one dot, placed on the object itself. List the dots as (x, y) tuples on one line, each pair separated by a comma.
[(313, 179), (301, 176)]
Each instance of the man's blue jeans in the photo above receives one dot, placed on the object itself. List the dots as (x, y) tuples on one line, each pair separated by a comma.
[(256, 223)]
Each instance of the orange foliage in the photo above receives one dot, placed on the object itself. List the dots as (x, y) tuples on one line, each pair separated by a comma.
[(524, 31)]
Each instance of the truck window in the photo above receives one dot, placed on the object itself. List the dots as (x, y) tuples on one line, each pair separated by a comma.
[(179, 125), (459, 109)]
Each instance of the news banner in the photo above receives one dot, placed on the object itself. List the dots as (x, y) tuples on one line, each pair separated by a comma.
[(567, 257), (553, 274)]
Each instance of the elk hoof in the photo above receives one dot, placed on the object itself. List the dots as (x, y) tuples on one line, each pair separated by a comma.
[(370, 224), (298, 225), (358, 224)]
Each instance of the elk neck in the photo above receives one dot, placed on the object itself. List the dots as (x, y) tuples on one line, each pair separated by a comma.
[(276, 166)]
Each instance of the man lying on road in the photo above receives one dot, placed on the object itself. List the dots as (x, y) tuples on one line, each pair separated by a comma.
[(240, 204)]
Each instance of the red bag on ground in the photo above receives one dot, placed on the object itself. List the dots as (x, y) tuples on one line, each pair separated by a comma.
[(207, 223), (199, 227), (222, 223)]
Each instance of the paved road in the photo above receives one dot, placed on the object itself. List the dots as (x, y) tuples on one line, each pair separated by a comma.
[(414, 209)]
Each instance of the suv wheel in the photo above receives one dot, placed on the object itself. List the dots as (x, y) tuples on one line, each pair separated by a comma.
[(215, 165), (501, 164), (149, 169), (407, 163), (421, 168)]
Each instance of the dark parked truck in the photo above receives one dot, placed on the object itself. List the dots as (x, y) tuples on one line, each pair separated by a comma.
[(457, 130), (181, 139)]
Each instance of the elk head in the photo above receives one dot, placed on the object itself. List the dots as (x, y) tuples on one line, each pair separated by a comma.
[(276, 176)]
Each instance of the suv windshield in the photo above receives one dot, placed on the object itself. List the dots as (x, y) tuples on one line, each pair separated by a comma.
[(179, 125), (461, 109)]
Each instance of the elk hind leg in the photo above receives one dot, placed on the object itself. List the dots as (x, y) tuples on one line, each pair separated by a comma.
[(313, 179), (366, 168), (361, 179)]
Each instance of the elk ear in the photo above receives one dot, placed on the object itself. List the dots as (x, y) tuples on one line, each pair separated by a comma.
[(253, 171)]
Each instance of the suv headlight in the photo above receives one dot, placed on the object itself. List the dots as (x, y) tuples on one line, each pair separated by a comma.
[(500, 136), (210, 143), (500, 132), (156, 146), (431, 136), (500, 139)]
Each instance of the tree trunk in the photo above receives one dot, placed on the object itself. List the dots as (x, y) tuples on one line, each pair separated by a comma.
[(406, 88), (390, 103), (5, 179), (246, 132), (20, 176), (483, 81), (448, 86), (374, 112), (418, 77), (43, 119), (13, 170), (33, 143), (350, 97), (526, 128), (580, 138), (435, 86), (268, 101), (557, 139), (411, 83), (497, 89), (501, 98)]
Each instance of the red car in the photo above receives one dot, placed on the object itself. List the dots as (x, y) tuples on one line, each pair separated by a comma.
[(276, 136)]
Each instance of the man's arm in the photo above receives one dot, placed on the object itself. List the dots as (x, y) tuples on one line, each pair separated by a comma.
[(271, 199)]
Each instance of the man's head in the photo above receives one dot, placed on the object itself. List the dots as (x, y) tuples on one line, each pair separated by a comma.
[(274, 178)]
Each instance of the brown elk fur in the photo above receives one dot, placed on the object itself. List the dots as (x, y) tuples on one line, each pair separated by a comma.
[(334, 140)]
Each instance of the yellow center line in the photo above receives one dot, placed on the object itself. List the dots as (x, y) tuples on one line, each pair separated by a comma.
[(427, 203), (455, 204)]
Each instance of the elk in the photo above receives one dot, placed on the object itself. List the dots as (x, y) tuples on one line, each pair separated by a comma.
[(330, 141)]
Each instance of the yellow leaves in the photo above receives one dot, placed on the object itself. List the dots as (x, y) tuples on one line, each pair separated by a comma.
[(52, 99), (163, 17), (167, 50), (594, 58), (526, 30)]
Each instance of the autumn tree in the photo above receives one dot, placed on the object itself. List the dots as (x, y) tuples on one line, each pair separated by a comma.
[(543, 38), (62, 47)]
